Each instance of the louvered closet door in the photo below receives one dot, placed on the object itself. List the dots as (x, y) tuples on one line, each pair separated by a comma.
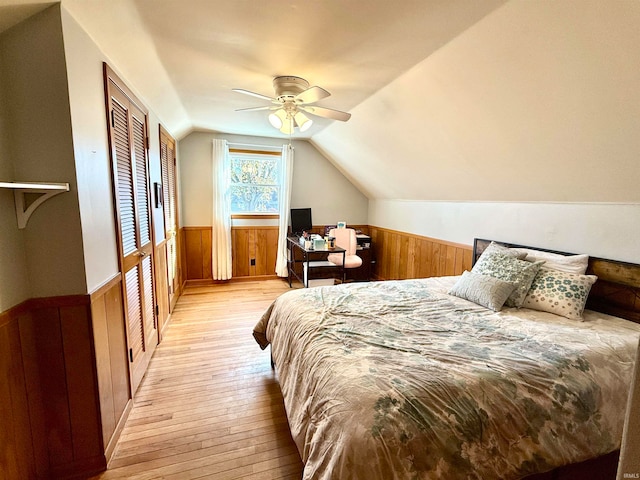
[(169, 190), (128, 136)]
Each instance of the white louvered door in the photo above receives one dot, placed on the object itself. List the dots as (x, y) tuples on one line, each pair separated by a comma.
[(128, 141)]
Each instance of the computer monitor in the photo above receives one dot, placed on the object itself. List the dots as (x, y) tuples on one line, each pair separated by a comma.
[(300, 220)]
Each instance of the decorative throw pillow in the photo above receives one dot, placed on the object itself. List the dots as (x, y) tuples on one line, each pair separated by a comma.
[(554, 261), (494, 247), (487, 291), (561, 293), (509, 269)]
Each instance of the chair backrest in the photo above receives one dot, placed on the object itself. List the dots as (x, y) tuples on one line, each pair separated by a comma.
[(345, 238)]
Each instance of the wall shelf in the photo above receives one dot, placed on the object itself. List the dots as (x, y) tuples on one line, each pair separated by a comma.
[(20, 189)]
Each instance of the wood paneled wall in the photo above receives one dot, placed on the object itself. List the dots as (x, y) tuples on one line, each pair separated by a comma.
[(16, 440), (254, 251), (197, 253), (400, 255), (112, 364), (64, 384), (50, 398), (397, 255), (257, 243)]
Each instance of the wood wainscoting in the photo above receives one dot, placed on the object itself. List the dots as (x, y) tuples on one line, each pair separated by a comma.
[(400, 255), (396, 255), (254, 252), (196, 253), (64, 384), (112, 363), (16, 439), (49, 402)]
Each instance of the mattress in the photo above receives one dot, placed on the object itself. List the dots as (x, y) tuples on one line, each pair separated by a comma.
[(398, 379)]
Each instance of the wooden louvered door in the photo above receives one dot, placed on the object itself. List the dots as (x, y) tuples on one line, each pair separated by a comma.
[(129, 149), (169, 190)]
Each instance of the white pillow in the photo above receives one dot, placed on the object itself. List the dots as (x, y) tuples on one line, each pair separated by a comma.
[(562, 263)]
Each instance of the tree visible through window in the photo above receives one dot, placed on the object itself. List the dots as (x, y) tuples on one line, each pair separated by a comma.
[(255, 182)]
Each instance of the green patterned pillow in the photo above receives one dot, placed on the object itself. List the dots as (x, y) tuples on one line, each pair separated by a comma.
[(487, 291), (509, 269), (561, 293)]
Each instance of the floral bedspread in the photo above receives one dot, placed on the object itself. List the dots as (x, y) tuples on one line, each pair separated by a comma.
[(398, 380)]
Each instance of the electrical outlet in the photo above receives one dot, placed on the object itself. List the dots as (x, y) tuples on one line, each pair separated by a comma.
[(253, 262)]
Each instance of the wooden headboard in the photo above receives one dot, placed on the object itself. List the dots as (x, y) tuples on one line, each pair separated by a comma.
[(617, 291)]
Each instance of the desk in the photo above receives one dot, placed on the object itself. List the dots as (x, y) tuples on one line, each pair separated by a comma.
[(363, 272), (298, 255)]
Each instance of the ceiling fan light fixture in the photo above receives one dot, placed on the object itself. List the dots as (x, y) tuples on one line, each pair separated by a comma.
[(294, 97), (277, 118), (303, 122), (287, 125)]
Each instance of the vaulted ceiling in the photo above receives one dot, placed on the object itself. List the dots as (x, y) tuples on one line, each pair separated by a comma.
[(189, 55), (483, 100)]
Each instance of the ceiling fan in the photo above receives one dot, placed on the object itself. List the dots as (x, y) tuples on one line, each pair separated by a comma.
[(293, 98)]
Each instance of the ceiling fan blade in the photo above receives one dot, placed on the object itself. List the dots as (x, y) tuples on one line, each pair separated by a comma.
[(326, 112), (311, 95), (253, 94), (255, 109)]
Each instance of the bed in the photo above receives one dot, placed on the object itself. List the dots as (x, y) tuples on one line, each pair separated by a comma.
[(405, 380)]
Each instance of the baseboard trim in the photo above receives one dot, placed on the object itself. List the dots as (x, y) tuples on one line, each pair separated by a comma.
[(210, 281), (111, 446)]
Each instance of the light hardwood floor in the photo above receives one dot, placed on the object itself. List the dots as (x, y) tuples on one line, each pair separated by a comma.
[(210, 406)]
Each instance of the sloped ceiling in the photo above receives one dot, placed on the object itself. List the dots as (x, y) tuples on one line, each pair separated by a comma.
[(452, 100), (538, 102), (15, 11), (184, 57)]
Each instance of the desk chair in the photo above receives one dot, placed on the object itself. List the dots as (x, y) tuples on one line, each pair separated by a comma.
[(345, 238)]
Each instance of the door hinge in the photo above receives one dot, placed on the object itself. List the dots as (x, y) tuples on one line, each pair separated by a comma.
[(131, 355), (157, 310), (147, 140), (113, 118)]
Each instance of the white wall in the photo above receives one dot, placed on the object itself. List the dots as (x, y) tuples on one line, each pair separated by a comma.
[(38, 135), (316, 182), (319, 185), (91, 149), (601, 230), (53, 129), (14, 285), (90, 144)]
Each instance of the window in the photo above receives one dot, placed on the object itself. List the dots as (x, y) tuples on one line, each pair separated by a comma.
[(255, 182)]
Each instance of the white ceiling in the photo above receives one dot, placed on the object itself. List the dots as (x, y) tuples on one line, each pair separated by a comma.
[(439, 89), (185, 56)]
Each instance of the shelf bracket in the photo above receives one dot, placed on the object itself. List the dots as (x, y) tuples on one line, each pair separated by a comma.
[(24, 210)]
